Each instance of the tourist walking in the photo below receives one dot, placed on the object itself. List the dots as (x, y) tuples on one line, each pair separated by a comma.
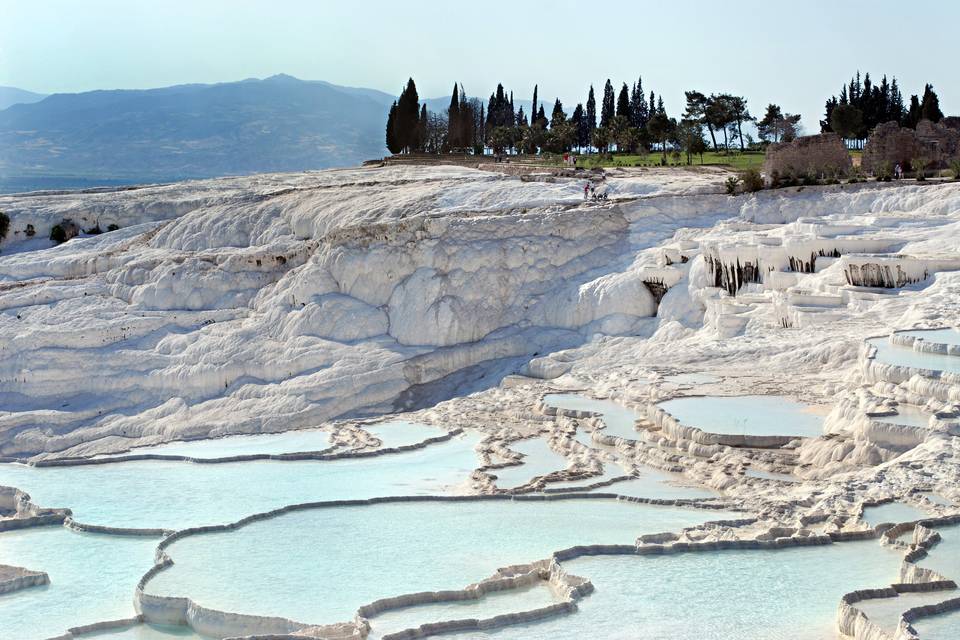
[(586, 190)]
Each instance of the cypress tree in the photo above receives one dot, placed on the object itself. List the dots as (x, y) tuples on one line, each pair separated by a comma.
[(914, 115), (408, 113), (533, 107), (393, 144), (542, 117), (623, 103), (607, 108), (579, 121), (652, 110), (591, 114), (422, 128), (454, 127)]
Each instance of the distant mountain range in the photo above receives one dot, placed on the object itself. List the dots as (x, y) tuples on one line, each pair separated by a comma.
[(279, 123), (12, 95)]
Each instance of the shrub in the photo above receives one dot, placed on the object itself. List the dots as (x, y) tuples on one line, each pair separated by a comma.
[(112, 227), (809, 180), (752, 180), (920, 167), (4, 225), (731, 185), (95, 230), (884, 172), (30, 231), (57, 234), (955, 168)]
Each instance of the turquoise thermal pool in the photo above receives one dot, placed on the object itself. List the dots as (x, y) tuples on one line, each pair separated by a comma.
[(769, 475), (886, 612), (892, 512), (345, 558), (936, 336), (174, 495), (907, 415), (395, 433), (944, 557), (659, 485), (261, 443), (906, 357), (747, 415), (945, 626), (92, 577), (538, 459), (147, 632), (618, 419), (785, 594)]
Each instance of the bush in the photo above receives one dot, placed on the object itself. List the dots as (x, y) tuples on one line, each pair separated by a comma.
[(112, 227), (4, 225), (752, 180), (30, 231), (955, 168), (920, 167), (95, 230), (884, 172), (731, 185), (57, 234), (810, 180)]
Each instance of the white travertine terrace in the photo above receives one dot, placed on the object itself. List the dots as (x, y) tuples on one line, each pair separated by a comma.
[(261, 304)]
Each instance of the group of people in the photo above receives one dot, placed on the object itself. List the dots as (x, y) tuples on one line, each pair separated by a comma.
[(898, 172), (590, 192)]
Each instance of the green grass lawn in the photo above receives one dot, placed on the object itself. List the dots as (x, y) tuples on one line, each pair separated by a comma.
[(734, 160)]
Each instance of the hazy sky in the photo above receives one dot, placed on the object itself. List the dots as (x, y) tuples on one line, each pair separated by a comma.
[(795, 54)]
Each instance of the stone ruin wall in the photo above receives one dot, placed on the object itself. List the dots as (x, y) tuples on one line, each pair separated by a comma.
[(819, 155), (890, 144)]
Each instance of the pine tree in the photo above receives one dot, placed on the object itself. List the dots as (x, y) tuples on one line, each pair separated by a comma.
[(607, 108), (393, 145), (454, 127), (421, 142), (542, 117), (623, 104), (638, 105), (652, 110)]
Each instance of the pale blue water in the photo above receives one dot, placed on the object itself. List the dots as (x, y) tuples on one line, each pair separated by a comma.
[(148, 632), (788, 594), (92, 578), (395, 433), (893, 512), (938, 499), (942, 627), (747, 415), (618, 419), (886, 612), (175, 495), (262, 443), (939, 336), (944, 557), (907, 415), (658, 485), (907, 357), (539, 459), (347, 557), (400, 433), (490, 605)]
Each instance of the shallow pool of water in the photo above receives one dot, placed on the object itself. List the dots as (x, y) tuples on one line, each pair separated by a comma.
[(262, 443), (490, 605), (893, 512), (92, 578), (350, 556), (659, 485), (944, 557), (148, 632), (619, 420), (886, 612), (747, 415), (539, 459), (787, 594), (175, 495), (938, 499), (938, 336), (400, 433), (907, 357), (945, 626), (907, 415)]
